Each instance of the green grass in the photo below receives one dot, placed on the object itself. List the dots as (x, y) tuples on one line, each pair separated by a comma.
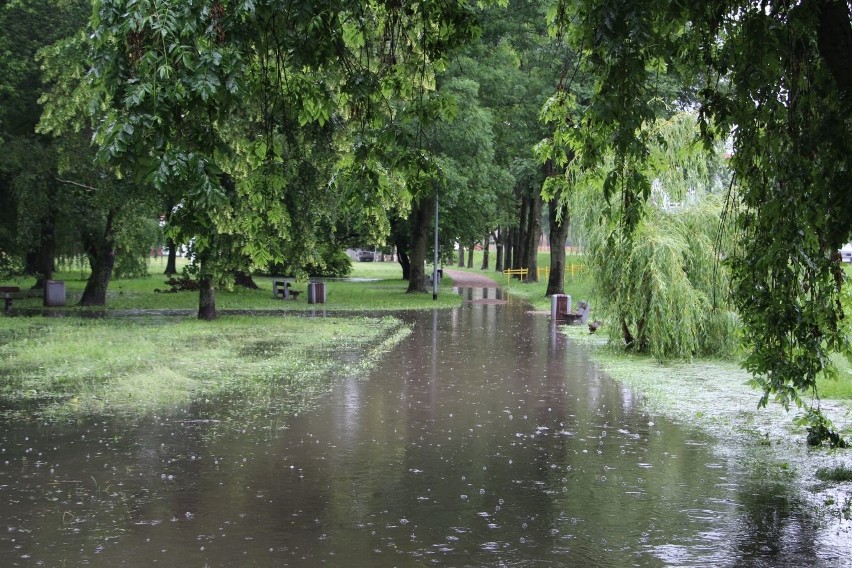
[(387, 293), (60, 367), (836, 474), (841, 388)]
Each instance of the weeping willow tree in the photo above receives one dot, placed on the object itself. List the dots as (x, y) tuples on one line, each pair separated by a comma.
[(665, 290), (775, 77), (662, 287)]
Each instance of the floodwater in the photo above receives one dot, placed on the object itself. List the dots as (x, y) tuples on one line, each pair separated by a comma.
[(484, 439)]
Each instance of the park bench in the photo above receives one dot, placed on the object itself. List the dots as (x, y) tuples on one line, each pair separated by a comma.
[(521, 273), (9, 293), (281, 288), (581, 314), (561, 310)]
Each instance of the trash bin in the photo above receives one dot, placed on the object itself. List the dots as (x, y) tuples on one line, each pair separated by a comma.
[(54, 293), (316, 292), (559, 304)]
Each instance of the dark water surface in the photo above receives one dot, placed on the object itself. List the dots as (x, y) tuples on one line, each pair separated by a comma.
[(484, 439)]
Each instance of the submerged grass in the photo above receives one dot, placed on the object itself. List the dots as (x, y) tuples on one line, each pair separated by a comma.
[(63, 367), (836, 474), (713, 394)]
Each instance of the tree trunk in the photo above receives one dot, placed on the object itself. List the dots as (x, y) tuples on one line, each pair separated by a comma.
[(404, 262), (470, 255), (461, 256), (40, 261), (486, 251), (519, 254), (498, 245), (206, 290), (625, 333), (421, 215), (558, 237), (171, 263), (206, 299), (513, 259), (100, 249), (533, 234), (508, 248), (401, 239)]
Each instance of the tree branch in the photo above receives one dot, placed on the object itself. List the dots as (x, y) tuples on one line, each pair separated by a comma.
[(74, 183)]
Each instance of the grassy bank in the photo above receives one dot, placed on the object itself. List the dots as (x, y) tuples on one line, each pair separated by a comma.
[(381, 289), (57, 368)]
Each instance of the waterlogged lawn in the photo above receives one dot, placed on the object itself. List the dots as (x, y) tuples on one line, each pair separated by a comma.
[(711, 393), (57, 368)]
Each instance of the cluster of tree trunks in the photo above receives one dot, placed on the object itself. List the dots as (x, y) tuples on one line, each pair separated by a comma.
[(517, 247)]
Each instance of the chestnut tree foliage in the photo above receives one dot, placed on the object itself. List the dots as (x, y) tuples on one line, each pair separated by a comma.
[(775, 78), (239, 111)]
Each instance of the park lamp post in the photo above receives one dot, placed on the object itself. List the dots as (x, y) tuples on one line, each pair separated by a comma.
[(435, 260)]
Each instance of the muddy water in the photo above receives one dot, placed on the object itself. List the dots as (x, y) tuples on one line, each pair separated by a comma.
[(485, 439)]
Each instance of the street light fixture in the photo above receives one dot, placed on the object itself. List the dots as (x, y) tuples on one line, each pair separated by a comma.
[(435, 261)]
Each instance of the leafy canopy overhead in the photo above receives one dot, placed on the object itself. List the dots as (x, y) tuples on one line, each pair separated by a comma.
[(219, 104), (775, 77)]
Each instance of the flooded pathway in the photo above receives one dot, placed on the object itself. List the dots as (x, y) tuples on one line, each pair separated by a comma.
[(484, 439)]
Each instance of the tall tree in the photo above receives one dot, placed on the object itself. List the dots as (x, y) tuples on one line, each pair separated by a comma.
[(517, 65), (774, 76), (106, 210), (176, 80), (33, 220)]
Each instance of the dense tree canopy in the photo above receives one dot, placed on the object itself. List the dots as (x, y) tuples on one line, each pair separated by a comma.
[(774, 76), (31, 201), (219, 100)]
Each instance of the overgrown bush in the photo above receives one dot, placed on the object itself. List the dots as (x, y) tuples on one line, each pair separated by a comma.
[(337, 265), (331, 262)]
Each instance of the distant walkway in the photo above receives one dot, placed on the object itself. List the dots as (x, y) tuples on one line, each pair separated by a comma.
[(470, 279)]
